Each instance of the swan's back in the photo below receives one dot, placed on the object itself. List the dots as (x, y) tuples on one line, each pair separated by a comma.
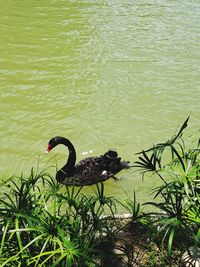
[(96, 169)]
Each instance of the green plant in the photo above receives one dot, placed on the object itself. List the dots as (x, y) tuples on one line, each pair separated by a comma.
[(179, 193), (134, 208), (158, 257), (40, 226)]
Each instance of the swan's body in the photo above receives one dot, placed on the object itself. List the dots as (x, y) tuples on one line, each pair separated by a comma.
[(89, 170)]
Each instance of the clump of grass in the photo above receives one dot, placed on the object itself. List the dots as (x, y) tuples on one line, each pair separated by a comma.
[(42, 227), (178, 209)]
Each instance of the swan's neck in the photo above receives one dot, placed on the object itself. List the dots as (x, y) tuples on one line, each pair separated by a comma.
[(69, 166)]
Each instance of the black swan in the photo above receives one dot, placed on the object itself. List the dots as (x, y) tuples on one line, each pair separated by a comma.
[(89, 170)]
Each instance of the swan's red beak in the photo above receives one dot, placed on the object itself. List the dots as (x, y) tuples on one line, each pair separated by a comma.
[(49, 148)]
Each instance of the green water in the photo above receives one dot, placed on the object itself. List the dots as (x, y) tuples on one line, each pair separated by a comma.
[(106, 74)]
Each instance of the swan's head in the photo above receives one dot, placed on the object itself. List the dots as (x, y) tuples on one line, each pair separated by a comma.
[(54, 142)]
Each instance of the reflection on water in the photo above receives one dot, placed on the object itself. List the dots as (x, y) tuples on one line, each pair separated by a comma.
[(105, 74)]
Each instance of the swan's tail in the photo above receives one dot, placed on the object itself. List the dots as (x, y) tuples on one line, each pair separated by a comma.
[(125, 164), (111, 154), (112, 160)]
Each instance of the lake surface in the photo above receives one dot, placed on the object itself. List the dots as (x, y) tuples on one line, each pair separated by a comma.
[(118, 74)]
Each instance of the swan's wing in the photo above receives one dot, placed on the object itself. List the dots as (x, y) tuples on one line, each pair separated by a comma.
[(89, 168), (96, 169)]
